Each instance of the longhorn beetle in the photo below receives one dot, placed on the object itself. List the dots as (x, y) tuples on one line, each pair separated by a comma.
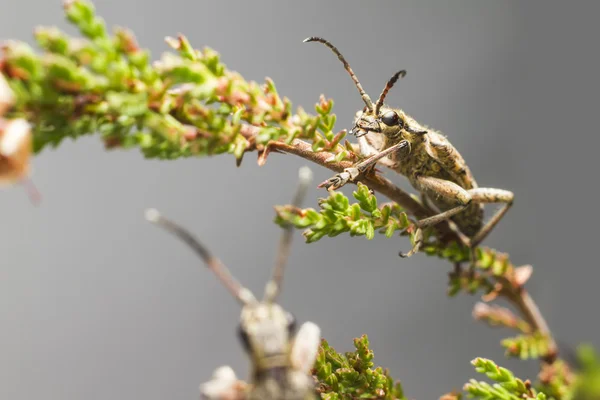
[(432, 165), (281, 358)]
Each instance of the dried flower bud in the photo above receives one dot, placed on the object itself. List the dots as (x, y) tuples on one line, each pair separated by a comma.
[(522, 275), (499, 316), (15, 150), (455, 395)]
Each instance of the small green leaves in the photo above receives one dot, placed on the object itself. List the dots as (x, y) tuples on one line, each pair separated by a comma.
[(352, 375), (183, 46), (507, 386), (586, 385), (588, 358), (22, 63), (367, 201), (338, 216), (527, 346), (559, 382), (186, 104), (52, 40), (83, 15)]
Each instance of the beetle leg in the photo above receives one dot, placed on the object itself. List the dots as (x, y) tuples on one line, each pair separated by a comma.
[(427, 203), (352, 173), (443, 216), (463, 198), (416, 246), (224, 385), (448, 190), (306, 346), (490, 195)]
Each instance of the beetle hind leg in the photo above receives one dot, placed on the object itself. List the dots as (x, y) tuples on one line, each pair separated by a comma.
[(462, 198), (490, 195)]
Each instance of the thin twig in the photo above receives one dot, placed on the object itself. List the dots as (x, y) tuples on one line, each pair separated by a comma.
[(532, 314)]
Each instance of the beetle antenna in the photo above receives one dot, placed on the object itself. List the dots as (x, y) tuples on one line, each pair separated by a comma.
[(386, 89), (273, 287), (362, 92), (242, 294)]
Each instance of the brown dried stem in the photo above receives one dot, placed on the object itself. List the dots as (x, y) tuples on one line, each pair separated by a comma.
[(532, 314)]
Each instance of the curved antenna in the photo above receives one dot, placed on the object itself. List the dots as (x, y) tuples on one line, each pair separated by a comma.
[(362, 92), (386, 89), (242, 294), (273, 287)]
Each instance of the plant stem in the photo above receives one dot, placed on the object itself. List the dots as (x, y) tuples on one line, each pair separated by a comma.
[(532, 314)]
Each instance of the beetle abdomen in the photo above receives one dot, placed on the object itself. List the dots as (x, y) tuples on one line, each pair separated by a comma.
[(470, 220)]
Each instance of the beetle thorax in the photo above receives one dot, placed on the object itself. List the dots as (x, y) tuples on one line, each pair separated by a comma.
[(267, 330)]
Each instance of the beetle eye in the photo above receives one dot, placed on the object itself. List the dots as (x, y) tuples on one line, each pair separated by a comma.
[(291, 323), (390, 118), (243, 335)]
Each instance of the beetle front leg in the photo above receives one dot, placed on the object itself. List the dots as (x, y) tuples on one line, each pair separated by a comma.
[(416, 245), (352, 173)]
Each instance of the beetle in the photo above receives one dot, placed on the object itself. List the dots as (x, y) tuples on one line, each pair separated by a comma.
[(281, 358), (390, 137)]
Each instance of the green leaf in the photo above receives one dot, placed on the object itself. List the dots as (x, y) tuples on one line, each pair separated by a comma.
[(526, 346), (352, 375), (506, 386), (337, 215)]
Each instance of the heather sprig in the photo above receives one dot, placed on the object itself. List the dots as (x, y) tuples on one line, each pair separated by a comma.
[(188, 103)]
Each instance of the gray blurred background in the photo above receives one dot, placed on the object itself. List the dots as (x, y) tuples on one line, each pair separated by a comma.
[(95, 303)]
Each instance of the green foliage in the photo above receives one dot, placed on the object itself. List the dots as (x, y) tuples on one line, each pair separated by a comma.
[(494, 274), (352, 375), (558, 381), (186, 104), (587, 382), (533, 345), (470, 282), (506, 386), (338, 216)]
